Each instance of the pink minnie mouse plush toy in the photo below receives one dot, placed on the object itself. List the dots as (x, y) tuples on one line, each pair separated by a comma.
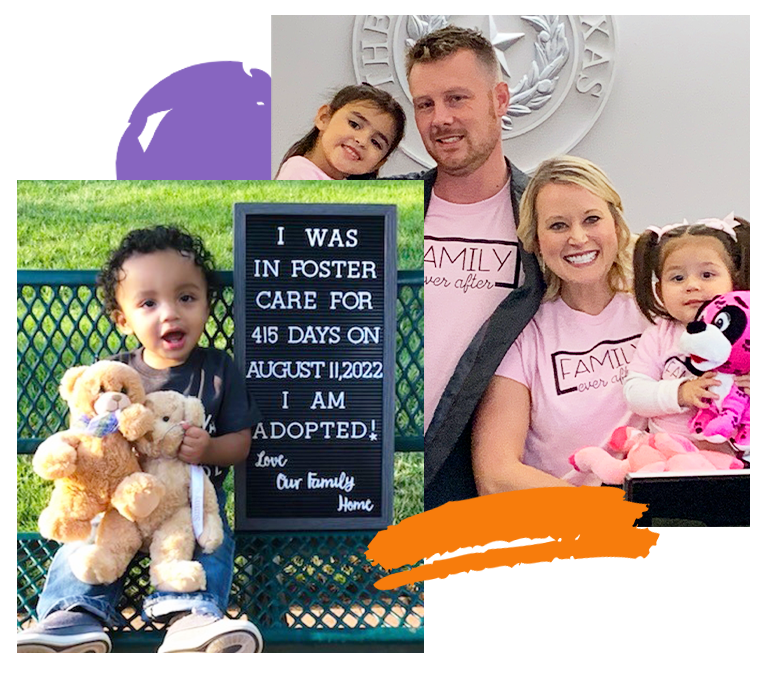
[(719, 339), (641, 452)]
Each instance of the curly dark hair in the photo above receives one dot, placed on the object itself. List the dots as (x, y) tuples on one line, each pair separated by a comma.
[(152, 240)]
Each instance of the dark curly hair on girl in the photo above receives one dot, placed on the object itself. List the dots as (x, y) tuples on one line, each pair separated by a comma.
[(153, 240)]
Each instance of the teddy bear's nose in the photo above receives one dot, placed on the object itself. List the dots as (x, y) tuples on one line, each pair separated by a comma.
[(117, 401), (111, 401), (695, 327)]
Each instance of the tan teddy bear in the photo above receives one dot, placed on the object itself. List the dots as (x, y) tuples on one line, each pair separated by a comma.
[(96, 470), (168, 529)]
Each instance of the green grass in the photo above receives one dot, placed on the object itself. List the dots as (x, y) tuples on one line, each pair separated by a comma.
[(32, 494), (74, 224)]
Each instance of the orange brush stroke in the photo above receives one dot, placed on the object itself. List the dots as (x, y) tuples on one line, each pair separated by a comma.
[(584, 522)]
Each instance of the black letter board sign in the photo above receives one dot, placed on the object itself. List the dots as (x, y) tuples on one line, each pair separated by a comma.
[(315, 332)]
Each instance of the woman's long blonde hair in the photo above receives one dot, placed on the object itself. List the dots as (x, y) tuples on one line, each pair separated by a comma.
[(567, 169)]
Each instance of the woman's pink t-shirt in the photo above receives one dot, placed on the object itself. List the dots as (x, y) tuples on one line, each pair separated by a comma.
[(573, 365)]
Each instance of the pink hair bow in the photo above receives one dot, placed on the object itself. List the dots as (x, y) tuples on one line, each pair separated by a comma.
[(661, 231), (726, 225)]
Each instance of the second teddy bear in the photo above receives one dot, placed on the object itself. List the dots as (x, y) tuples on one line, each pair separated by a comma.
[(168, 529)]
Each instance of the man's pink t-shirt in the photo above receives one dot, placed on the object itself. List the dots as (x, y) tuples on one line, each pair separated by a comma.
[(470, 263), (659, 358), (300, 168), (573, 365)]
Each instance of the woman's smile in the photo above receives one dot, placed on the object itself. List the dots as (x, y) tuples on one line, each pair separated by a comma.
[(581, 259)]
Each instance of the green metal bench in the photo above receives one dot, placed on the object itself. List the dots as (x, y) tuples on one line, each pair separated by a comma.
[(304, 590)]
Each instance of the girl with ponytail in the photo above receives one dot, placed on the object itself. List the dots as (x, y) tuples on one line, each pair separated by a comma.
[(677, 269)]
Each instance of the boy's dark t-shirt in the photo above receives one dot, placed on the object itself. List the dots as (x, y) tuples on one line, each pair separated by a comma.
[(211, 376)]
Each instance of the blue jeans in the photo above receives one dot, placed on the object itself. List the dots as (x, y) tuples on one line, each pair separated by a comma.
[(63, 591)]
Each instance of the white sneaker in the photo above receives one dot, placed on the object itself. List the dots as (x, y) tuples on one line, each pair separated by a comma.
[(65, 632), (203, 633)]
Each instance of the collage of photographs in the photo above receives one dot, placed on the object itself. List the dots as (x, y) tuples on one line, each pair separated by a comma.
[(251, 418)]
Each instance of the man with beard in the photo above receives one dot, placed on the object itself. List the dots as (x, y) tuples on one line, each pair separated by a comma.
[(481, 287)]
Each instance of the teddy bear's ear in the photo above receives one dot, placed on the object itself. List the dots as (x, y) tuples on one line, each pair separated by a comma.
[(68, 381), (135, 388), (194, 412)]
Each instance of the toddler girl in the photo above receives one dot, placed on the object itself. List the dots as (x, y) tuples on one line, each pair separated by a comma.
[(677, 269), (353, 135)]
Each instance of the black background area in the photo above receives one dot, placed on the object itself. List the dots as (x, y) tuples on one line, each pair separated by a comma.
[(79, 77), (691, 594)]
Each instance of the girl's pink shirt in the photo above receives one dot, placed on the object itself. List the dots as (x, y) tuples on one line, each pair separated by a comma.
[(300, 168)]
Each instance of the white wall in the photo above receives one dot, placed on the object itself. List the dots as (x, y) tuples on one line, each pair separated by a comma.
[(674, 135)]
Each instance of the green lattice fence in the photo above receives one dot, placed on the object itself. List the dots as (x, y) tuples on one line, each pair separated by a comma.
[(60, 324), (299, 588)]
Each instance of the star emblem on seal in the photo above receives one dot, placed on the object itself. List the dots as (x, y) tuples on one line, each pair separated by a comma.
[(501, 42)]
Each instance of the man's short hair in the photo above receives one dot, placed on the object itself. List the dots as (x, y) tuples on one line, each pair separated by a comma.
[(447, 41)]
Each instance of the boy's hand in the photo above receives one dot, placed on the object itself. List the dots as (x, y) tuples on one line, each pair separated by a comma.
[(695, 393), (195, 444)]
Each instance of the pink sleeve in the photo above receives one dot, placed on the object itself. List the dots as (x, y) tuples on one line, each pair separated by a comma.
[(512, 365), (646, 359), (292, 171), (300, 168)]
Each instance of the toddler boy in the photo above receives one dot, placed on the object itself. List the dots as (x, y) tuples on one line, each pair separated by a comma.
[(158, 286)]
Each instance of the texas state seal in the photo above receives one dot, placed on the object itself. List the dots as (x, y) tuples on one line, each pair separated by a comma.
[(559, 70)]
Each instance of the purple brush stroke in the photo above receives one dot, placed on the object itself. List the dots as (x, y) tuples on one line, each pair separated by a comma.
[(215, 129)]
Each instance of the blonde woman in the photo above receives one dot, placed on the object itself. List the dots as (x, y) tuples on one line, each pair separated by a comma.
[(559, 387)]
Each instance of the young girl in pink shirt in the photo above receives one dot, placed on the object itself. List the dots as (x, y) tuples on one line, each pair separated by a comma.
[(353, 135), (677, 269)]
